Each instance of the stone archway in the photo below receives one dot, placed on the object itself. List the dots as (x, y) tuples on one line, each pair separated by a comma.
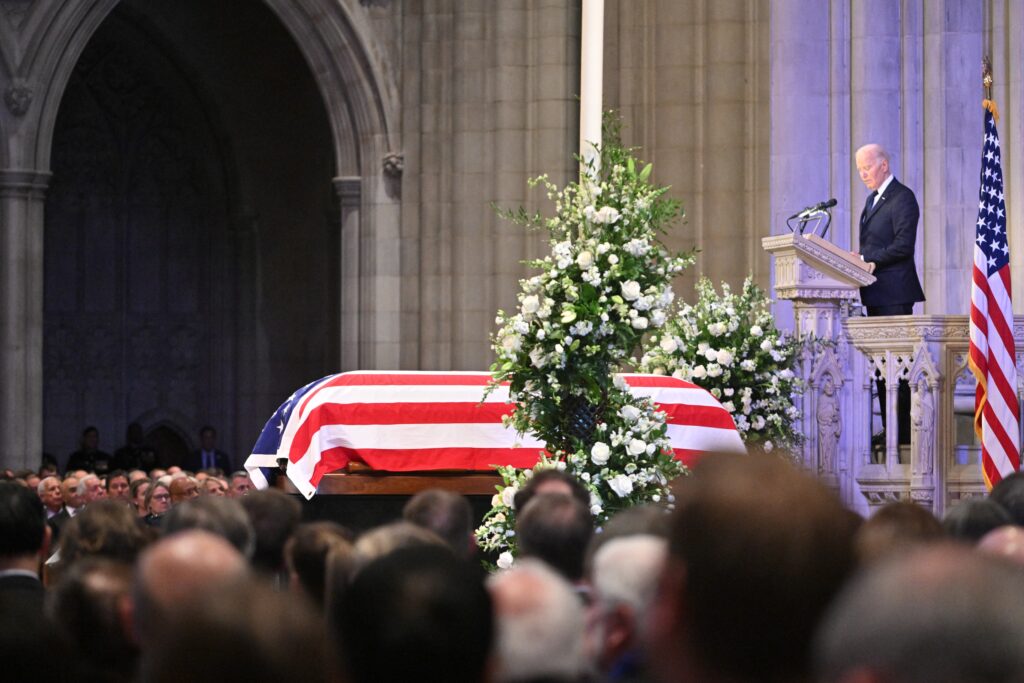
[(336, 43)]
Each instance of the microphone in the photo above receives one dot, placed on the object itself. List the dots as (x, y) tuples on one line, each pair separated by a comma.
[(817, 208)]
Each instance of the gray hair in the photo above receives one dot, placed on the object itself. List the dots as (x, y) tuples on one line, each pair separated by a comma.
[(540, 623), (940, 615), (626, 572), (83, 483), (41, 486), (222, 517)]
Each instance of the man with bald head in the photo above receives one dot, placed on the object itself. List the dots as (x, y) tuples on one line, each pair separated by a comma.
[(182, 489), (180, 571), (888, 231)]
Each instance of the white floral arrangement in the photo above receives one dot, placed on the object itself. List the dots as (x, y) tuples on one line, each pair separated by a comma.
[(729, 345), (605, 284)]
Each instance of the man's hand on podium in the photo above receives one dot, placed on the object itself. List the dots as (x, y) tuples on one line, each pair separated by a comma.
[(871, 264)]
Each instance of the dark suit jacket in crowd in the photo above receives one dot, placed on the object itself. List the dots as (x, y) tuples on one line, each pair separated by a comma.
[(194, 462), (22, 591), (887, 235)]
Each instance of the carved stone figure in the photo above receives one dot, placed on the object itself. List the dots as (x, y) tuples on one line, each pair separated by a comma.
[(829, 425), (922, 420)]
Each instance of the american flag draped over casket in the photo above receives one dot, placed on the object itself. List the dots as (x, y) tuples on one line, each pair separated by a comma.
[(416, 421)]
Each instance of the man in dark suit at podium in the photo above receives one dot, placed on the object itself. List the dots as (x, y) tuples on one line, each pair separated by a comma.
[(208, 456), (888, 231)]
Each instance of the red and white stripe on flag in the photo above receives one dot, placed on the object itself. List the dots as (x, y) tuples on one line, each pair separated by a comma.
[(413, 421), (992, 355)]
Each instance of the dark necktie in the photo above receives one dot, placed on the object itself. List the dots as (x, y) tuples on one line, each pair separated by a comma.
[(868, 204)]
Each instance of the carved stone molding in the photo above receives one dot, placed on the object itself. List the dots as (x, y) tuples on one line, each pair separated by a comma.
[(394, 164), (18, 98)]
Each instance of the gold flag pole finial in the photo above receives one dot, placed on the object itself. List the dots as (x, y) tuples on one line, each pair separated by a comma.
[(986, 81)]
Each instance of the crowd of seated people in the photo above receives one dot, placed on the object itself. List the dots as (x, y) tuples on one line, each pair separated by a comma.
[(757, 574)]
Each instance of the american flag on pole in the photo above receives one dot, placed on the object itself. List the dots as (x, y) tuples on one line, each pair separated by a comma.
[(992, 353), (415, 421)]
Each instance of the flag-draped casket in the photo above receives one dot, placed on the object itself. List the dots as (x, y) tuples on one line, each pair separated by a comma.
[(421, 421)]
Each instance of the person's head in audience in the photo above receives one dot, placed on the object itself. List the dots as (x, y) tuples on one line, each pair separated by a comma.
[(307, 553), (182, 489), (274, 516), (69, 492), (90, 489), (201, 477), (386, 539), (540, 623), (178, 572), (447, 514), (241, 633), (551, 480), (240, 485), (118, 486), (555, 528), (31, 479), (896, 527), (219, 516), (156, 473), (48, 466), (79, 474), (137, 492), (136, 475), (49, 493), (757, 552), (941, 614), (24, 534), (973, 518), (649, 520), (1009, 493), (174, 469), (624, 579), (215, 486), (90, 440), (424, 603), (91, 605), (1006, 542), (158, 499), (106, 528)]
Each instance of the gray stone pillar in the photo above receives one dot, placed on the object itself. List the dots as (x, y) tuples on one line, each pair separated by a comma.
[(21, 316), (349, 191)]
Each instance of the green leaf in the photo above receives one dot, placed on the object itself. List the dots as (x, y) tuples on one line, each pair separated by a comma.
[(646, 173)]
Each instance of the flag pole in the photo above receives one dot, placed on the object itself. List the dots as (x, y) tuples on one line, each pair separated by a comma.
[(591, 82)]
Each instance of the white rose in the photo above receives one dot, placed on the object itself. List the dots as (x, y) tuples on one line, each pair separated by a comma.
[(747, 365), (620, 383), (585, 259), (621, 485), (724, 358), (508, 495), (766, 345), (702, 347), (629, 413), (631, 290), (786, 374), (639, 323), (768, 446), (756, 331), (530, 304), (717, 329), (505, 560), (729, 407), (757, 423), (700, 372), (636, 447), (711, 354), (599, 453), (658, 318), (714, 370), (537, 357), (613, 259), (607, 215), (511, 343), (668, 344)]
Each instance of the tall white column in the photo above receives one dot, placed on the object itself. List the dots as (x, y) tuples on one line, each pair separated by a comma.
[(591, 72)]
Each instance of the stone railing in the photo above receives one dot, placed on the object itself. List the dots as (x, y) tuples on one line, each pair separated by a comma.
[(845, 440)]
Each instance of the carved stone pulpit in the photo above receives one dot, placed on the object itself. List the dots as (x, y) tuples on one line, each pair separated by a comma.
[(819, 278), (822, 281)]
